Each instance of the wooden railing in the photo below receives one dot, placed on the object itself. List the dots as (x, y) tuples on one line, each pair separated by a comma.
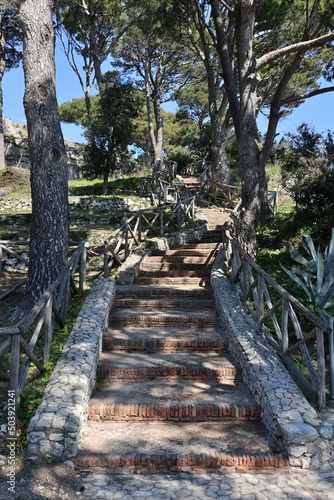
[(146, 223), (294, 331), (50, 308)]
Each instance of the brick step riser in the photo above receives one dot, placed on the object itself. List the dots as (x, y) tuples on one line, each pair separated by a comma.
[(230, 374), (173, 281), (190, 252), (194, 303), (168, 292), (174, 273), (163, 321), (175, 267), (115, 344), (213, 240), (169, 462), (178, 413), (199, 246), (179, 259)]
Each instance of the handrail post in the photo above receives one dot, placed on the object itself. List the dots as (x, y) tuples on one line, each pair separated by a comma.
[(14, 365), (161, 222), (83, 266), (331, 361), (105, 259), (47, 332), (126, 239), (321, 378), (139, 225)]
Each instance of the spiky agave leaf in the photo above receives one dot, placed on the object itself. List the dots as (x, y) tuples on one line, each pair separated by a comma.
[(296, 255), (320, 271), (329, 257), (299, 282), (309, 246)]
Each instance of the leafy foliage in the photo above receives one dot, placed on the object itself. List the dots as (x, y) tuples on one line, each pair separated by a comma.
[(308, 172)]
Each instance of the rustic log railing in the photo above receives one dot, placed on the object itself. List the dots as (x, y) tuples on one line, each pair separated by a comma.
[(293, 330), (50, 308), (145, 223)]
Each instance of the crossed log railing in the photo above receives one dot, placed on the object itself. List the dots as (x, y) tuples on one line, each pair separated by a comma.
[(50, 308), (292, 329), (150, 222)]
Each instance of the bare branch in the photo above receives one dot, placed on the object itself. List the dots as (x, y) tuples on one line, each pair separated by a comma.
[(296, 47), (308, 95)]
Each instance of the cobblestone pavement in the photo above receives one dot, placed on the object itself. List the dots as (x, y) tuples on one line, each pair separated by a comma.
[(294, 486)]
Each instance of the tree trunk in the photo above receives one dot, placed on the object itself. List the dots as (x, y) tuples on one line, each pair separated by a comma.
[(2, 71), (105, 182), (159, 148), (221, 171), (49, 190)]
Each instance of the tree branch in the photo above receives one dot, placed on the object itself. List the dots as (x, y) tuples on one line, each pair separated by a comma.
[(296, 47), (307, 96)]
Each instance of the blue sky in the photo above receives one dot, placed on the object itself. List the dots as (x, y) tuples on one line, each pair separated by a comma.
[(318, 112)]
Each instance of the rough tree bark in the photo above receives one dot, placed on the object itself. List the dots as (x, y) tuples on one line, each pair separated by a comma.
[(49, 188), (2, 71)]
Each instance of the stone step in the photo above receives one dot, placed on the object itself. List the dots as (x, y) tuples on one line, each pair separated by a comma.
[(174, 273), (165, 302), (179, 259), (202, 282), (164, 339), (160, 365), (195, 246), (168, 316), (153, 265), (179, 401), (135, 447), (197, 292)]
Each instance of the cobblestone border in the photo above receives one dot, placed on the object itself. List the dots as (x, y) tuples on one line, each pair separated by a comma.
[(305, 435), (56, 427)]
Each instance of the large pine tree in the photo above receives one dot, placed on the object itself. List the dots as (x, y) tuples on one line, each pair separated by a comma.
[(49, 188)]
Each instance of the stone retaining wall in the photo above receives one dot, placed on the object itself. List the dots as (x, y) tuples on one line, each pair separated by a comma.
[(56, 427), (121, 203), (291, 420)]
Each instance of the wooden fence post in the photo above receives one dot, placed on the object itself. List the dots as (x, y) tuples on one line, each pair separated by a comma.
[(161, 222), (14, 365), (48, 328), (83, 266), (105, 260), (321, 389)]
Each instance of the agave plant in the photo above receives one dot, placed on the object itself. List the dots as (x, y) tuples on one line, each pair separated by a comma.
[(316, 278)]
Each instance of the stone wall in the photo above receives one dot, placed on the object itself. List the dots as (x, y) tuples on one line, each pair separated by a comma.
[(292, 422), (56, 427), (105, 204)]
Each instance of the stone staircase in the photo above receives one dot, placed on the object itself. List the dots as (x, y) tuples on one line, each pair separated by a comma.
[(169, 396)]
